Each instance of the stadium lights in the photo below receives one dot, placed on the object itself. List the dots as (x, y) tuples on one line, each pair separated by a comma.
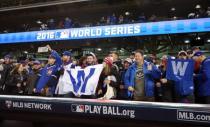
[(174, 17), (197, 6), (187, 41), (38, 22), (198, 38), (127, 13), (173, 9), (26, 52), (99, 49), (208, 40)]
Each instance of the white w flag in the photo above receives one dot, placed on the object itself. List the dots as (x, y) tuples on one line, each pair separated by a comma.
[(80, 81)]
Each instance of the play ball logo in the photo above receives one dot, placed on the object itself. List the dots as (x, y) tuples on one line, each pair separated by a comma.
[(77, 108), (8, 104)]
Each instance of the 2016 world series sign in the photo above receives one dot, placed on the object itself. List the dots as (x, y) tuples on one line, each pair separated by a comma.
[(137, 29)]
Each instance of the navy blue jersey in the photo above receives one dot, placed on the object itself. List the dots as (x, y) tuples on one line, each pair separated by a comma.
[(48, 74)]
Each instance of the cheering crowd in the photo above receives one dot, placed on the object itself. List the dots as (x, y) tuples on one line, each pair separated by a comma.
[(136, 78)]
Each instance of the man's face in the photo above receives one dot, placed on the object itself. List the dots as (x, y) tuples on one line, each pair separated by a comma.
[(7, 60), (30, 63), (132, 56), (182, 57), (139, 58), (114, 56), (36, 66), (66, 58), (90, 59), (51, 60), (126, 65), (190, 54), (154, 60)]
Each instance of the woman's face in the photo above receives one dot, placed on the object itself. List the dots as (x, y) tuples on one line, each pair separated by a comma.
[(164, 62), (182, 57), (21, 68), (84, 61)]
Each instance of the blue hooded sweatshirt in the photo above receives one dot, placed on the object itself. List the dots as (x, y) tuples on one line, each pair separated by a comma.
[(149, 78)]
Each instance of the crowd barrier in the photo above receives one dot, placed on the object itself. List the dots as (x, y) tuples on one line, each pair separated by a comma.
[(129, 111)]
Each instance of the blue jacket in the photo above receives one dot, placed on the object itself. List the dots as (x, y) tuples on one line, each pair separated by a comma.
[(203, 78), (48, 75), (149, 78)]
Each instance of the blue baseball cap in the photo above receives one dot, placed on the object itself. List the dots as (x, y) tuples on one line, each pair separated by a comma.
[(66, 53), (199, 53), (52, 56), (22, 62), (36, 62), (8, 56)]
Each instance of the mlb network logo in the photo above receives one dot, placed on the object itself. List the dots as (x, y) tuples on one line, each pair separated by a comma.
[(78, 108)]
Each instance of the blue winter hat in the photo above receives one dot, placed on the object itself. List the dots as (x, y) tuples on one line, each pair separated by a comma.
[(8, 56), (36, 62), (22, 62), (199, 53), (66, 53), (91, 54), (52, 56)]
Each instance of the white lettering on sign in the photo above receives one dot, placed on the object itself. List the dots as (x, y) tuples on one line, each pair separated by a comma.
[(198, 116), (179, 68), (26, 105), (87, 32), (45, 35), (102, 110), (121, 30)]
